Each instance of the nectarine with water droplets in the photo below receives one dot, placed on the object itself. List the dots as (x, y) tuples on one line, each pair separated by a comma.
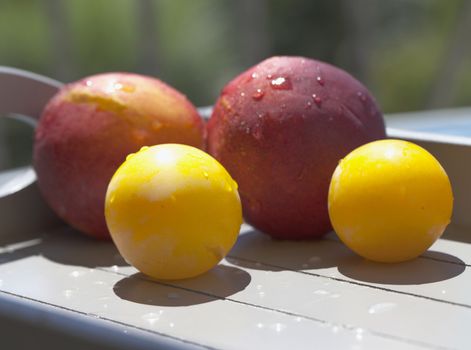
[(87, 130), (280, 128)]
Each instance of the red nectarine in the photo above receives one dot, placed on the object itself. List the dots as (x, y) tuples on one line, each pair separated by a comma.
[(280, 128), (88, 128)]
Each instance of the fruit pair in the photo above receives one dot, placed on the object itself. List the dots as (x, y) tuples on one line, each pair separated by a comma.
[(172, 210), (279, 128)]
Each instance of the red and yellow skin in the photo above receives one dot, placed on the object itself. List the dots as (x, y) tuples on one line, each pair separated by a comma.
[(87, 130)]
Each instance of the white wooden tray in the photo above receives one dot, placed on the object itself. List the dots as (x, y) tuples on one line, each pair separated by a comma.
[(63, 290)]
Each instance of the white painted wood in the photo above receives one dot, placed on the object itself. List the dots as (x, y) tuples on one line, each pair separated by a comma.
[(239, 304)]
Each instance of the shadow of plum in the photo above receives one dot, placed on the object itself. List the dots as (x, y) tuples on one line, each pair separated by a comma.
[(255, 250), (431, 267), (219, 283)]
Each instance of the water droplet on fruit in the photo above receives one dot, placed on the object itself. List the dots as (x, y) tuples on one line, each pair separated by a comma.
[(257, 133), (140, 135), (281, 83), (156, 125), (254, 75), (173, 295), (258, 95), (242, 94), (125, 87), (317, 100), (89, 83), (254, 205), (361, 96), (115, 268), (390, 153), (380, 308), (269, 76), (144, 148), (206, 175), (320, 80), (308, 105)]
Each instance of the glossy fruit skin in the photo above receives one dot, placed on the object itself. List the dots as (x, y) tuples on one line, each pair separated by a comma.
[(280, 129), (390, 200), (173, 211), (87, 130)]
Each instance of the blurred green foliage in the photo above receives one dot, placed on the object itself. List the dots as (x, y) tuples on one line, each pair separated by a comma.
[(407, 52)]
